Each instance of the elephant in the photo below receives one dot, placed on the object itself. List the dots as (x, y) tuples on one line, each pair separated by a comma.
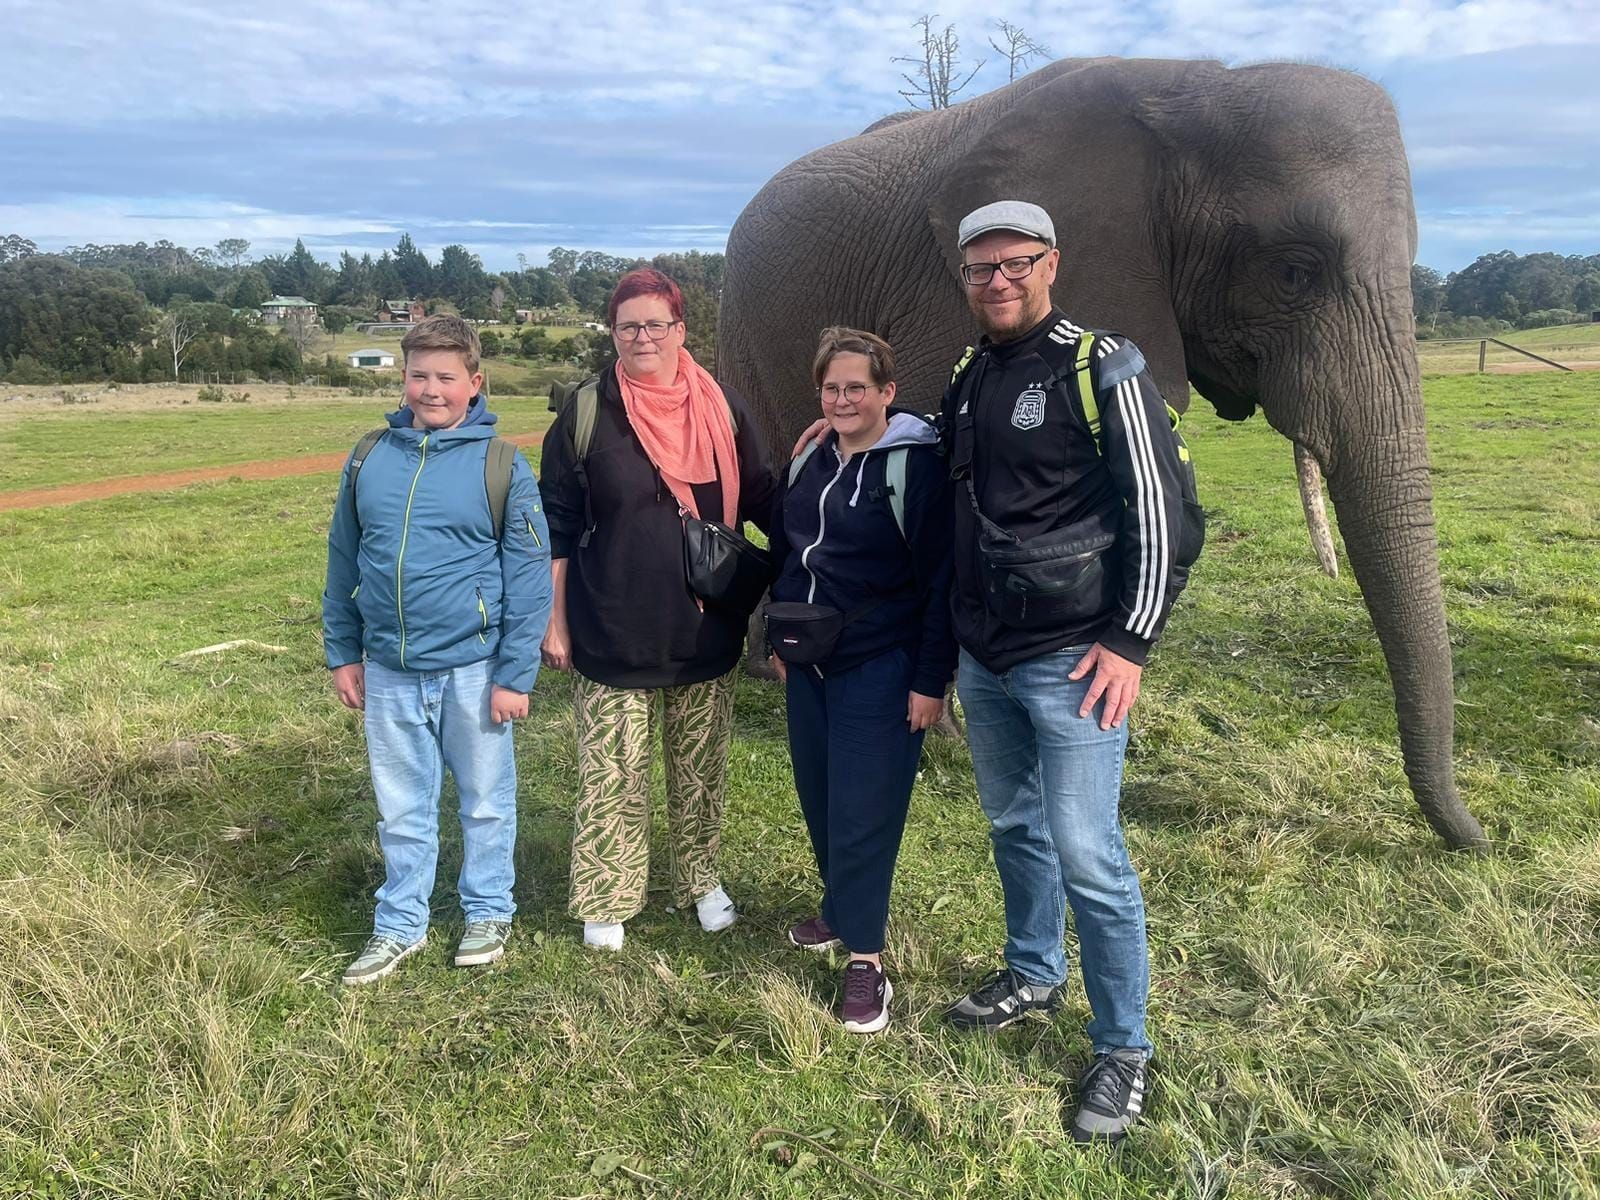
[(1252, 229)]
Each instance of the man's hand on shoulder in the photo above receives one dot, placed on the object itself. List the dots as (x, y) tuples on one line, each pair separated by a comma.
[(506, 705), (1116, 679), (813, 433)]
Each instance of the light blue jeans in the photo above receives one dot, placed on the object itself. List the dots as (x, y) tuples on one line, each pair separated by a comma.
[(417, 724), (1049, 781)]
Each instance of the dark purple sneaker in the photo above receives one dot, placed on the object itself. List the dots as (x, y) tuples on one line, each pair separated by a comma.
[(814, 935), (867, 993)]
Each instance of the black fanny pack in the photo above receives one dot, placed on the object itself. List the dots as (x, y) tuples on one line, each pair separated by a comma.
[(805, 634), (724, 569), (1055, 578)]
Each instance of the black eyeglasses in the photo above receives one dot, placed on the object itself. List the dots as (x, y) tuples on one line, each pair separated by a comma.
[(655, 330), (978, 274)]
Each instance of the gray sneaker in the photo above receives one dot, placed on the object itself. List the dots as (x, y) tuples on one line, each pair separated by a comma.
[(1111, 1096), (380, 957), (1000, 998), (482, 942)]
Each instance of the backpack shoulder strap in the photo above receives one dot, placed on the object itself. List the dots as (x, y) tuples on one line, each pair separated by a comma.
[(583, 407), (894, 475), (796, 466), (358, 456), (499, 459)]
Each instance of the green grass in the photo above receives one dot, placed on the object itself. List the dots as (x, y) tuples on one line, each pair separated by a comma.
[(1341, 1007), (80, 445)]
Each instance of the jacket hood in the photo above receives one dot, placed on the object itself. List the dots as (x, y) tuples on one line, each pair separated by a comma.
[(477, 414), (905, 429)]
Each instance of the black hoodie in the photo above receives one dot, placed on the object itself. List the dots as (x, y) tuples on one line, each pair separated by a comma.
[(836, 542)]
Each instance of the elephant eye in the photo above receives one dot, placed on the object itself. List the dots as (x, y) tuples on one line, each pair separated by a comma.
[(1295, 277)]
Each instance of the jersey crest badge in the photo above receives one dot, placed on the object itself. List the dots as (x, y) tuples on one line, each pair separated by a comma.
[(1029, 410)]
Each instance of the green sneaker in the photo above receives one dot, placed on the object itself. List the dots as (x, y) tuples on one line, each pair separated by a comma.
[(482, 942), (381, 956)]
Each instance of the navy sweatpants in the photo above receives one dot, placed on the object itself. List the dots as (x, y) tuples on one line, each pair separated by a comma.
[(855, 760)]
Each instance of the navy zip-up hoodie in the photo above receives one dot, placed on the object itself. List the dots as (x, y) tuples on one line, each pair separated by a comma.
[(835, 542), (420, 583)]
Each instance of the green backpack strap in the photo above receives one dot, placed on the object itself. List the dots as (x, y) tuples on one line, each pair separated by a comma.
[(1086, 396), (582, 405), (894, 475), (498, 462), (358, 456), (798, 463)]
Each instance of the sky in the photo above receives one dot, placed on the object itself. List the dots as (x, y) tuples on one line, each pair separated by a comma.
[(643, 127)]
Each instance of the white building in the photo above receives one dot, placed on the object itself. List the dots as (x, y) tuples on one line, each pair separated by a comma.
[(373, 359)]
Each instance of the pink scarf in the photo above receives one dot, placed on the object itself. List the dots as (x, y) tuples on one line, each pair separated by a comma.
[(686, 431)]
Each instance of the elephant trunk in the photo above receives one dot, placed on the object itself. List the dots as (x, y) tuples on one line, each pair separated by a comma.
[(1381, 492)]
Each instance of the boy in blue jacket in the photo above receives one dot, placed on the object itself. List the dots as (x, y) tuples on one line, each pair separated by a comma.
[(448, 613)]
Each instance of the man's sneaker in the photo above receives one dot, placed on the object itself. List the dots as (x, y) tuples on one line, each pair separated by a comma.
[(716, 911), (381, 956), (603, 935), (1111, 1096), (867, 993), (482, 942), (814, 934), (1000, 998)]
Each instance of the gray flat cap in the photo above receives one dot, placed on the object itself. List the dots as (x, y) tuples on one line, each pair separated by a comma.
[(1016, 215)]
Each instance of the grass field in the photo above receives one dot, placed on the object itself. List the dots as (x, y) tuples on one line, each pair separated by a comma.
[(1566, 344), (1341, 1007), (41, 446)]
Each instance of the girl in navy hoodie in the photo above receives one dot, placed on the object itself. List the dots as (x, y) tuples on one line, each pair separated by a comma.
[(860, 630)]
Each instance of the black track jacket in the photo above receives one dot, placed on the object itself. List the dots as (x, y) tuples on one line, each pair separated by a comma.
[(1036, 468)]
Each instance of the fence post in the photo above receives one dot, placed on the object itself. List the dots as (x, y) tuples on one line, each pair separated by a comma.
[(1483, 353)]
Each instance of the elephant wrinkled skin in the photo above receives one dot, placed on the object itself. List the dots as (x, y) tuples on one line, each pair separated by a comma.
[(1252, 229)]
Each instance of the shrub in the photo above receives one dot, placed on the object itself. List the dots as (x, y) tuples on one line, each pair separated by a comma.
[(362, 384), (28, 369), (211, 394)]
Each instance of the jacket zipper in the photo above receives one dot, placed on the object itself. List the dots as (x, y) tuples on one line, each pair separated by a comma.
[(533, 533), (822, 528), (399, 559), (484, 613)]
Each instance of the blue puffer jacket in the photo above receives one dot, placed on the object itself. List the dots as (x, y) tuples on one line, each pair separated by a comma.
[(419, 582)]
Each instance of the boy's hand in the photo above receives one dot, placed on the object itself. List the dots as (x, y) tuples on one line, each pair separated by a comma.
[(923, 712), (780, 667), (506, 705), (350, 681)]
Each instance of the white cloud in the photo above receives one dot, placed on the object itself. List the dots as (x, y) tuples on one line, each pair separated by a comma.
[(414, 58)]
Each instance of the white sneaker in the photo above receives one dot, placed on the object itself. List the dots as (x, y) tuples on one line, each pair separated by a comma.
[(716, 911), (603, 935)]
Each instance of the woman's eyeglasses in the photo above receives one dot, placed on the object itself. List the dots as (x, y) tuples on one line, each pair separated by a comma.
[(629, 331), (832, 393)]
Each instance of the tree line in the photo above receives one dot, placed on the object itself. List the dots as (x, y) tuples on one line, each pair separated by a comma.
[(1503, 291), (145, 311)]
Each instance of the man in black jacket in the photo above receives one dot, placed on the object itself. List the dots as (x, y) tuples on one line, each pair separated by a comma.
[(1069, 535)]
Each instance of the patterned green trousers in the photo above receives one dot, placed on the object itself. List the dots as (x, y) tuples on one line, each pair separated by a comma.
[(611, 841)]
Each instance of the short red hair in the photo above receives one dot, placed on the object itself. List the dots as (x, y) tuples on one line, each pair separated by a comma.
[(646, 281)]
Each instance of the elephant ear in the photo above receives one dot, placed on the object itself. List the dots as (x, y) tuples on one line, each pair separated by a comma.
[(1076, 145)]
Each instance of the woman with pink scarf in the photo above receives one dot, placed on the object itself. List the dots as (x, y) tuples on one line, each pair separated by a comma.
[(669, 442)]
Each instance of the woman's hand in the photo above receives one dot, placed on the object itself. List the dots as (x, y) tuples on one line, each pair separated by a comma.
[(813, 433), (923, 712), (780, 667), (556, 649)]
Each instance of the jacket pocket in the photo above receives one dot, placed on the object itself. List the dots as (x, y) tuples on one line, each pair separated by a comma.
[(483, 615)]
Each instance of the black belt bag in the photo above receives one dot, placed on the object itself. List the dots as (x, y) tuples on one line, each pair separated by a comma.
[(806, 634), (1049, 580), (723, 569)]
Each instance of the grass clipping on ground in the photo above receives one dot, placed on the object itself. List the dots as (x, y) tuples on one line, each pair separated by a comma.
[(1341, 1007)]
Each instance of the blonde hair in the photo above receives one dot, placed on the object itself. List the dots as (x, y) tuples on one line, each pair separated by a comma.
[(840, 339), (444, 333)]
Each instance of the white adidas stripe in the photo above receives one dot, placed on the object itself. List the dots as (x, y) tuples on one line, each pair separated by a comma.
[(1152, 588)]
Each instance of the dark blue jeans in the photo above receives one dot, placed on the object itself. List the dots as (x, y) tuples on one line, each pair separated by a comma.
[(1050, 782), (855, 759)]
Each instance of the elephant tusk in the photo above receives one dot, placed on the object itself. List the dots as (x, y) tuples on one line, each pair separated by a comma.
[(1310, 475)]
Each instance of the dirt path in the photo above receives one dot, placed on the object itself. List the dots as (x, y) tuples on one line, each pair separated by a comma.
[(280, 468)]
